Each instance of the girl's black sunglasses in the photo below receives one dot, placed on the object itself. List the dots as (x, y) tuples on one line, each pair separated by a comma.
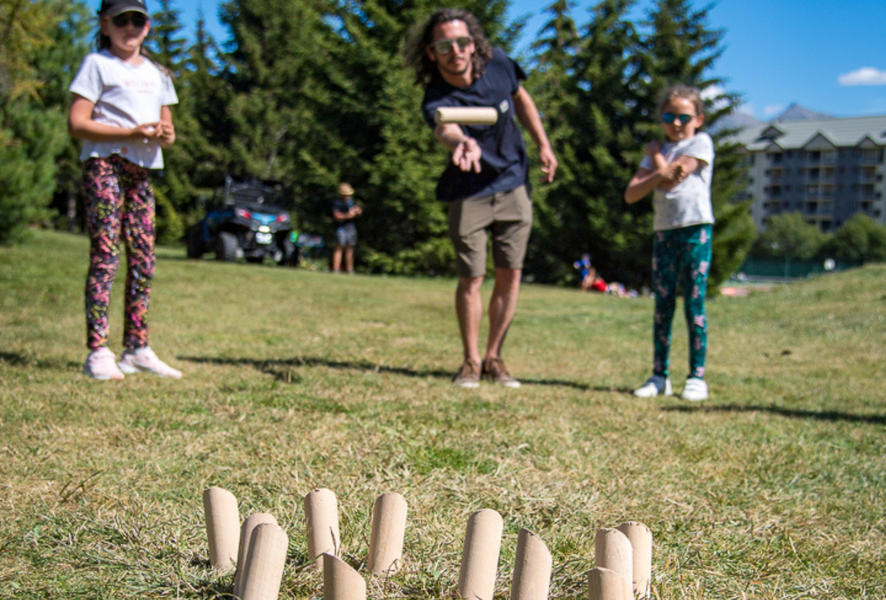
[(137, 19)]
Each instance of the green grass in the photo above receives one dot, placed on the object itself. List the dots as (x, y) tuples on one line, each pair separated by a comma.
[(775, 488)]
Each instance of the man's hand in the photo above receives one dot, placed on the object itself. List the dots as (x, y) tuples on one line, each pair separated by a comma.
[(548, 164), (466, 155)]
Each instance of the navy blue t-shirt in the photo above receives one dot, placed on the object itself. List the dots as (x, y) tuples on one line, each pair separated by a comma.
[(503, 166), (343, 206)]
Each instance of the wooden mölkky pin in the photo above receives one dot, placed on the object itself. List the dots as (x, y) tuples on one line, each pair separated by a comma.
[(467, 115), (340, 581), (222, 527), (605, 584), (321, 512), (246, 531), (264, 563), (640, 537), (479, 557), (388, 530), (613, 551), (532, 568)]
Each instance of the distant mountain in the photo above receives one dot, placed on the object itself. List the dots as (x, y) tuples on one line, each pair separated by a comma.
[(795, 112), (736, 120)]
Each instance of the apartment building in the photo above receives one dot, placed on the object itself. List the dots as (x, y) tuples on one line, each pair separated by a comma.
[(827, 169)]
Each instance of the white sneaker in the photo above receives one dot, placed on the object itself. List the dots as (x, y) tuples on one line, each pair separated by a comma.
[(654, 386), (696, 390), (143, 360), (102, 364)]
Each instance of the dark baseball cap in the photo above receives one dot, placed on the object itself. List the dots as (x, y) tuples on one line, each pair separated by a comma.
[(112, 8)]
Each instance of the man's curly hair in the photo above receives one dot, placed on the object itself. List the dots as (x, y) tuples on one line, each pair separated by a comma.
[(416, 56)]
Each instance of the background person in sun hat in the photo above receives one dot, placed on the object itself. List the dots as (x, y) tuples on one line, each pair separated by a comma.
[(344, 211)]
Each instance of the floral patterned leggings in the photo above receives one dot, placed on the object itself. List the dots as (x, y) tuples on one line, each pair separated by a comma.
[(682, 255), (119, 200)]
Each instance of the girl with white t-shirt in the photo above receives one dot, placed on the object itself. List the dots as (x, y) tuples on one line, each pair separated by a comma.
[(121, 112), (678, 172)]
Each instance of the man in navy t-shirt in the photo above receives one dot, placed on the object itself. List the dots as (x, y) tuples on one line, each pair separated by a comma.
[(486, 180)]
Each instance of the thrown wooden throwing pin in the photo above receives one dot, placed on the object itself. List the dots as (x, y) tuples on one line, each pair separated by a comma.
[(466, 115)]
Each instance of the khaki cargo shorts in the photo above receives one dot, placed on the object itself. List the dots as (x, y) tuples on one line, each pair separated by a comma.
[(507, 216)]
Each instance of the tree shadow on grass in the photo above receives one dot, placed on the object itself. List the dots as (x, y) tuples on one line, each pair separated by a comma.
[(17, 359), (13, 358), (817, 415), (279, 369)]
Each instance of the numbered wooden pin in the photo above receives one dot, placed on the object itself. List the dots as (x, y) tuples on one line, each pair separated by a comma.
[(479, 557), (613, 552), (604, 584), (640, 537), (321, 513), (246, 531), (222, 527), (340, 581), (532, 568), (388, 530), (264, 563)]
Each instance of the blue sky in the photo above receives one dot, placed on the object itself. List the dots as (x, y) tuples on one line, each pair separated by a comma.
[(826, 56)]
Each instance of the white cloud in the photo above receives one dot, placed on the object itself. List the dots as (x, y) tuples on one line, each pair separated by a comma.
[(746, 109), (863, 76), (774, 109), (716, 94)]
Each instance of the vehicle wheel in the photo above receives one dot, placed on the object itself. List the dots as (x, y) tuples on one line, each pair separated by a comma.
[(195, 243), (290, 253), (227, 247)]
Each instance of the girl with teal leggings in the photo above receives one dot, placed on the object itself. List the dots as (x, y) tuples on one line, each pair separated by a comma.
[(678, 172)]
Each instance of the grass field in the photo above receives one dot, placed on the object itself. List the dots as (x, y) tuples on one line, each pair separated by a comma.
[(774, 488)]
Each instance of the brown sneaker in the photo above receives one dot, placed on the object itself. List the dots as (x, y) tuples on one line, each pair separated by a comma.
[(494, 370), (468, 375)]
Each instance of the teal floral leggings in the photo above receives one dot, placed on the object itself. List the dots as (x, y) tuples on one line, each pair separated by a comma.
[(681, 255), (119, 202)]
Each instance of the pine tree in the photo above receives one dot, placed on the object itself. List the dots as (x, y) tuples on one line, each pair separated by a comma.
[(166, 45), (32, 128), (593, 127), (681, 48), (552, 85)]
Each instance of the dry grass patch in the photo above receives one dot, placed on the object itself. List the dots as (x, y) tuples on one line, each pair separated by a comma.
[(295, 380)]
